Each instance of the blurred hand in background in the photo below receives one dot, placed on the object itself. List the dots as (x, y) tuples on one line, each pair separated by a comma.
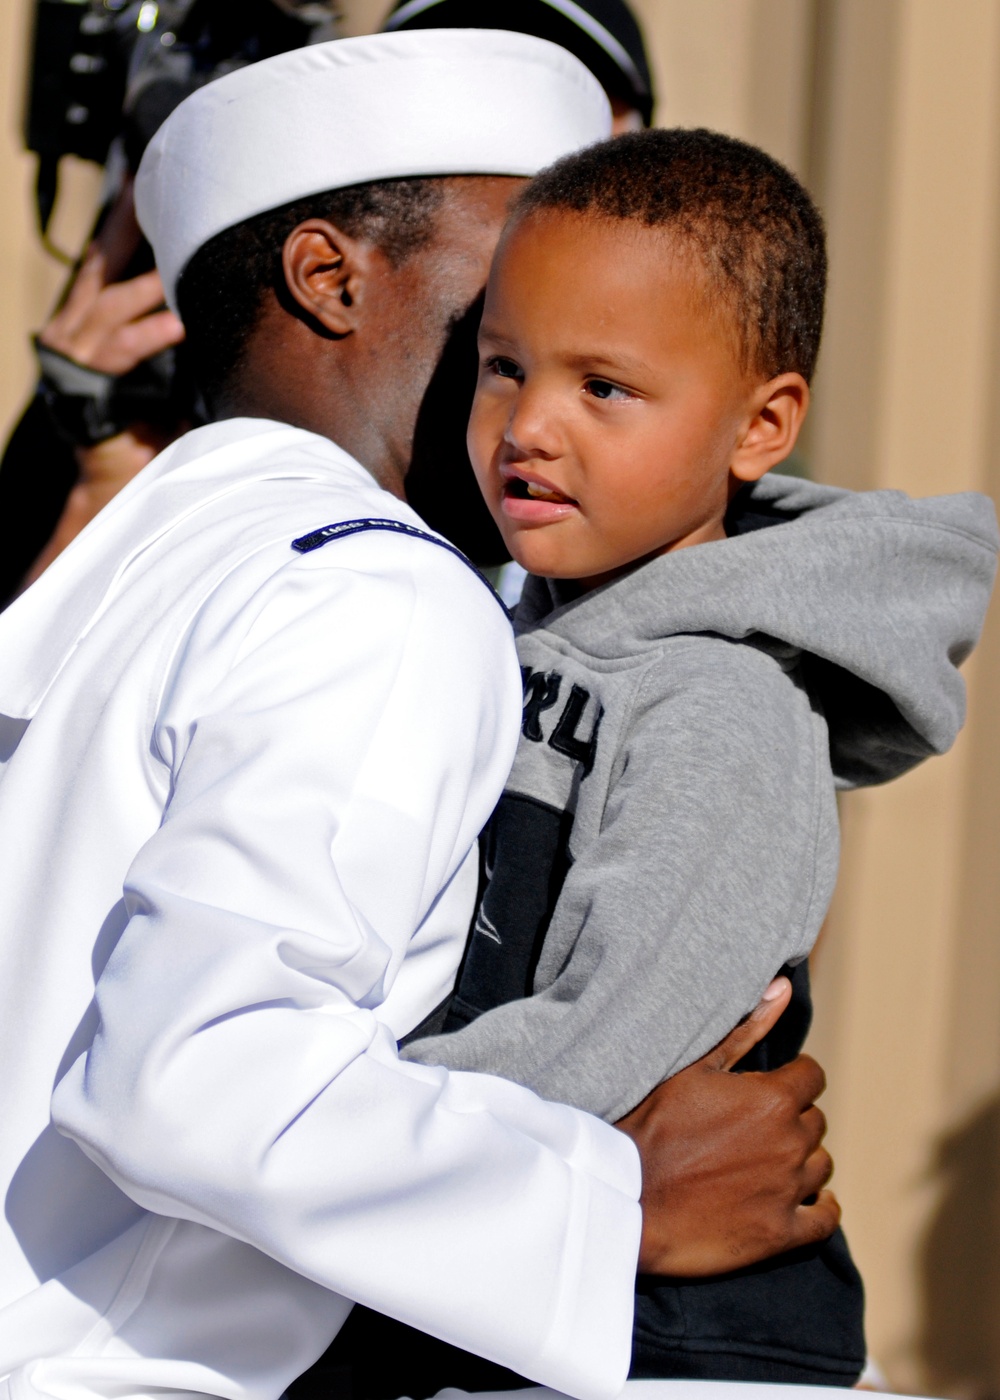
[(109, 327), (106, 324)]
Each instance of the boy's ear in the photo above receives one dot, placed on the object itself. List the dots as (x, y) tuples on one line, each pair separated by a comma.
[(326, 273), (777, 410)]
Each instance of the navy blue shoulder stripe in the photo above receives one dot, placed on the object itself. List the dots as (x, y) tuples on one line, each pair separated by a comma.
[(305, 544)]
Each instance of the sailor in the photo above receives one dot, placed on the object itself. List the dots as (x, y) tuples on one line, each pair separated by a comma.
[(251, 722)]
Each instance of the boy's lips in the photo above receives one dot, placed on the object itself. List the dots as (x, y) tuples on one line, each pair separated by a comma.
[(531, 499)]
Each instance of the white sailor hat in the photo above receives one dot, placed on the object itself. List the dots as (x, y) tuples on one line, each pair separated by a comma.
[(427, 102)]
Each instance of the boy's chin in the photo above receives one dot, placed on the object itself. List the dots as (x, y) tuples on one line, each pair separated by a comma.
[(548, 553), (534, 560), (545, 563)]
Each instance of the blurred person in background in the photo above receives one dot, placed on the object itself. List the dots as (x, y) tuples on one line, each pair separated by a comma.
[(604, 34), (115, 387)]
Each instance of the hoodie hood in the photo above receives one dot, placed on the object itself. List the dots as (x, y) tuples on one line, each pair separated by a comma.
[(881, 597)]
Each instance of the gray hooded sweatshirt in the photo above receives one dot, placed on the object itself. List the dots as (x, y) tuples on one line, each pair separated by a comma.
[(668, 841), (668, 838)]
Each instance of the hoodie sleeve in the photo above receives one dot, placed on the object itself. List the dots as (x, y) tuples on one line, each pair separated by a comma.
[(713, 866)]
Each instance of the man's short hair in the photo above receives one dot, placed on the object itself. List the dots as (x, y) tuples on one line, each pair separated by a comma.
[(221, 291), (749, 220)]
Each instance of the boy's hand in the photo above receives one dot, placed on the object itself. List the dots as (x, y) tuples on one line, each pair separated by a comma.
[(729, 1159)]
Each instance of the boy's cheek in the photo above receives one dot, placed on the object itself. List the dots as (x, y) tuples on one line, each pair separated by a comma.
[(482, 439), (487, 476)]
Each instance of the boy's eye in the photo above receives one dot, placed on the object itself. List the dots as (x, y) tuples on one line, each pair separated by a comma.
[(604, 389), (503, 368)]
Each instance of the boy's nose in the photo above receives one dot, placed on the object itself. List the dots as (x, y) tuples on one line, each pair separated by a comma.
[(533, 428)]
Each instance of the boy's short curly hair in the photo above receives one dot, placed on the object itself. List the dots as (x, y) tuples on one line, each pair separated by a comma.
[(752, 224)]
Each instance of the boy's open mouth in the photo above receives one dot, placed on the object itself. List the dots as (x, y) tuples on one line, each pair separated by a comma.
[(523, 490)]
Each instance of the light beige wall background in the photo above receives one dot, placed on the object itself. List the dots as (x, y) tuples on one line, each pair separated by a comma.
[(890, 110)]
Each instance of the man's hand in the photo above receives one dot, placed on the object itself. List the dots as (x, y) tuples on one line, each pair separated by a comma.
[(107, 325), (111, 327), (728, 1159)]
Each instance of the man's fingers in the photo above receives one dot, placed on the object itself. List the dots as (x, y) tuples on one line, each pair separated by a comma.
[(803, 1080), (816, 1172), (126, 301), (740, 1042), (814, 1123), (143, 339), (120, 327), (77, 304), (815, 1222)]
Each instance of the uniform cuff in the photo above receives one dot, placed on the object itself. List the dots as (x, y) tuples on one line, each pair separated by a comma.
[(589, 1347)]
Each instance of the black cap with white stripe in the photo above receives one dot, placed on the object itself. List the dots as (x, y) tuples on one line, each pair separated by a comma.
[(603, 34)]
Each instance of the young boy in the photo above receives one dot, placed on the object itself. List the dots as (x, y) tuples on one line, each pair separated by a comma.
[(705, 654)]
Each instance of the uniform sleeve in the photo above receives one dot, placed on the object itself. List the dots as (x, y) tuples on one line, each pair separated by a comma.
[(326, 789), (713, 867)]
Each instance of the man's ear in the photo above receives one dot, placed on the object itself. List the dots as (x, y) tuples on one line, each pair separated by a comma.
[(326, 272), (777, 412)]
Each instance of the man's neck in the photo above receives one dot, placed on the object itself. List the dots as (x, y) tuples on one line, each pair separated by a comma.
[(361, 439)]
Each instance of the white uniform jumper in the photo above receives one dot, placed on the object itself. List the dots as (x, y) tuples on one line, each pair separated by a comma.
[(240, 789)]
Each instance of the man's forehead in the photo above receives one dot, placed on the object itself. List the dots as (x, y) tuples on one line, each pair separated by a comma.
[(467, 228), (486, 196)]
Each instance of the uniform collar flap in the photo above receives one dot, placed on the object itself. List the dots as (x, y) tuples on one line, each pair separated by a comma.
[(41, 629)]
